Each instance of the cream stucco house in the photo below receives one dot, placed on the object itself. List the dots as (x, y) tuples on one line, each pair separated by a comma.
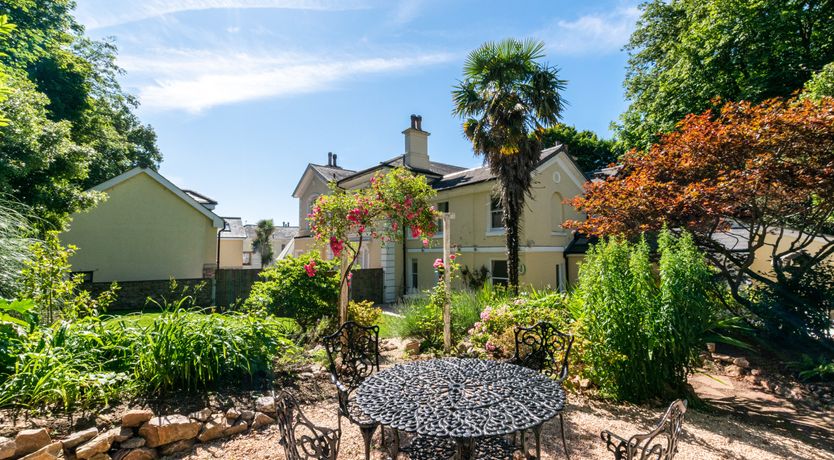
[(549, 253), (146, 229)]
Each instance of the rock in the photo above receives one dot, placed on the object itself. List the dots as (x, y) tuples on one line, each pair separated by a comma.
[(734, 371), (201, 415), (28, 441), (412, 346), (97, 445), (214, 428), (711, 347), (306, 376), (143, 453), (178, 446), (742, 363), (232, 414), (7, 448), (751, 379), (262, 419), (239, 427), (122, 434), (136, 417), (101, 456), (247, 415), (79, 437), (133, 443), (265, 404), (756, 372), (159, 431), (47, 452)]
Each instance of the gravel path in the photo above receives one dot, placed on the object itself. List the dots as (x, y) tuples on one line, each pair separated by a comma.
[(705, 436)]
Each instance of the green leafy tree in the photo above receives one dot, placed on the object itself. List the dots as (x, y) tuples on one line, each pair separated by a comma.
[(5, 30), (262, 243), (685, 53), (40, 165), (73, 83), (507, 98), (821, 84), (587, 149)]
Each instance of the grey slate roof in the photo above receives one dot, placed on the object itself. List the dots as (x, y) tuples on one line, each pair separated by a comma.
[(435, 168), (481, 174), (332, 172), (235, 228), (278, 233)]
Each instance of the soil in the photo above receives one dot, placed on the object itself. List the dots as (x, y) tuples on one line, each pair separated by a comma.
[(742, 417)]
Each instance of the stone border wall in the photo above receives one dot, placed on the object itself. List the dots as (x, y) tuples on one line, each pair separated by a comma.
[(142, 435)]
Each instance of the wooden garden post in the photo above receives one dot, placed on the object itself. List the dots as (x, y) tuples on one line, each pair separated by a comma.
[(345, 290), (447, 281)]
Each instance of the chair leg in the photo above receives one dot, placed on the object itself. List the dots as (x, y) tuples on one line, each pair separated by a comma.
[(367, 435), (564, 442)]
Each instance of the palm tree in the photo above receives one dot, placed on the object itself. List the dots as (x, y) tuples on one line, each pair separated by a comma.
[(507, 98), (262, 243)]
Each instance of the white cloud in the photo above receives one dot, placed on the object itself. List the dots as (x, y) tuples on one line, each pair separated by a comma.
[(198, 80), (594, 33), (105, 13)]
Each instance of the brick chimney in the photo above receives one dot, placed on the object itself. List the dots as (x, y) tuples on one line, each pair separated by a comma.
[(416, 144)]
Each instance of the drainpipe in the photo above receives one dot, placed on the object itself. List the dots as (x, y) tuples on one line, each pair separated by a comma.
[(225, 228)]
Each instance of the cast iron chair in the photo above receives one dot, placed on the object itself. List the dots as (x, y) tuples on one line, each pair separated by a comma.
[(300, 438), (353, 355), (544, 348), (659, 444)]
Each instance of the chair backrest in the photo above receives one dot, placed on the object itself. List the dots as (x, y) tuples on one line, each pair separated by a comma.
[(544, 348), (301, 439), (660, 443), (352, 353)]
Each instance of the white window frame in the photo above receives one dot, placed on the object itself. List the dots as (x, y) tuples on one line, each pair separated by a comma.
[(490, 230), (492, 271)]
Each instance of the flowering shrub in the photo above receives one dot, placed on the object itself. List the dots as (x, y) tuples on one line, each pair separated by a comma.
[(395, 200), (305, 288), (494, 334)]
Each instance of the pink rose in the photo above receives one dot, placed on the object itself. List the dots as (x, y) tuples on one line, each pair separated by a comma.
[(310, 268)]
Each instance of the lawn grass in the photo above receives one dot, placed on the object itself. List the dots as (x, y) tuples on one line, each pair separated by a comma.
[(389, 326)]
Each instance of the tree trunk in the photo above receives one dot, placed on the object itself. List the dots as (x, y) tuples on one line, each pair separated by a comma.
[(511, 223)]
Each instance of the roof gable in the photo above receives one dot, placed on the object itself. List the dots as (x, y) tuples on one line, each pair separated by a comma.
[(216, 221)]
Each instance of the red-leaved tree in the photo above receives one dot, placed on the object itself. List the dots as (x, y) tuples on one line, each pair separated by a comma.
[(748, 181)]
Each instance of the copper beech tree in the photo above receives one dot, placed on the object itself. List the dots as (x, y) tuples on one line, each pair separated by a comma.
[(750, 180), (346, 219)]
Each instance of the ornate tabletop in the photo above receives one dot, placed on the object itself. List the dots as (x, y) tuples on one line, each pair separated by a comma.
[(460, 398)]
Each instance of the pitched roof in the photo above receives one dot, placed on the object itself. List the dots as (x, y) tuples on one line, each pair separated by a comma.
[(216, 220), (435, 168), (482, 173), (332, 172), (235, 231), (278, 233)]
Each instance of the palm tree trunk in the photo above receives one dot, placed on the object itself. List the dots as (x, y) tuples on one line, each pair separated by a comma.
[(511, 225)]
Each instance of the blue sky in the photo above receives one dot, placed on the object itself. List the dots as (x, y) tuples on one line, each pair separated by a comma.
[(244, 93)]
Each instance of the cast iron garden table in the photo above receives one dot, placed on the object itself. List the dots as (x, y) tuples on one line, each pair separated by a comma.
[(461, 399)]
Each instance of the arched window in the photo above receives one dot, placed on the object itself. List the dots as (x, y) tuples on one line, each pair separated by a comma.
[(557, 213)]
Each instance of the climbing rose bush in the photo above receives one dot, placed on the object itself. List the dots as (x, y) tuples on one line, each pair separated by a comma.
[(396, 202)]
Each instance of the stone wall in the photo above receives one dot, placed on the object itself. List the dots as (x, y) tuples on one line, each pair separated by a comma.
[(142, 435), (134, 295)]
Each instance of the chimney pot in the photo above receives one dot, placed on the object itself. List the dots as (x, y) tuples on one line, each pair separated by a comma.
[(329, 158), (334, 161)]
